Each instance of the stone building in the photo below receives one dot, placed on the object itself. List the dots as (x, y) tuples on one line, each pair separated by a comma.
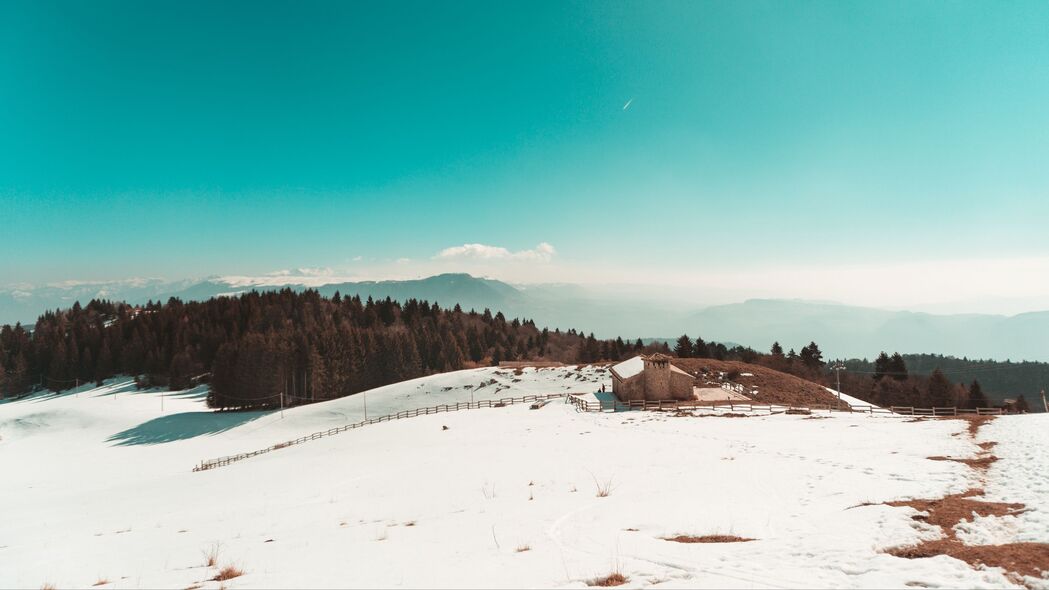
[(650, 378)]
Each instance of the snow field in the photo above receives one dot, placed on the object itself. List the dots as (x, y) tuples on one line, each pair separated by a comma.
[(98, 486)]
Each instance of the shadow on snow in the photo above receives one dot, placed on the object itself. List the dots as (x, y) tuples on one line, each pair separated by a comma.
[(183, 426)]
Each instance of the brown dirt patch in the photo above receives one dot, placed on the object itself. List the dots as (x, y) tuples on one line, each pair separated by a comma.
[(708, 539), (975, 422), (774, 387), (1019, 559), (1025, 559), (980, 463), (949, 510)]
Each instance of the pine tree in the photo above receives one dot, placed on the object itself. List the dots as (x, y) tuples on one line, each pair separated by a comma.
[(898, 367), (777, 350), (940, 390), (701, 349), (104, 364), (881, 366), (19, 380), (684, 347), (811, 356), (179, 372), (977, 398)]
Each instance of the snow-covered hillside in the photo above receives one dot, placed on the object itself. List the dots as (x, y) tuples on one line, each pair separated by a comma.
[(98, 486)]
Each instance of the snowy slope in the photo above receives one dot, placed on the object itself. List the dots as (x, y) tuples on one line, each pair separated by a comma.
[(852, 401), (98, 486)]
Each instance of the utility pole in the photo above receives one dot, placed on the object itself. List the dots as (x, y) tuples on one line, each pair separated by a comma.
[(1045, 405), (282, 404), (838, 368), (365, 394)]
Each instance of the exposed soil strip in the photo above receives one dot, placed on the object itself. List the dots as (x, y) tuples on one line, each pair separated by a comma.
[(1024, 559), (975, 422), (979, 463), (1019, 559), (708, 539)]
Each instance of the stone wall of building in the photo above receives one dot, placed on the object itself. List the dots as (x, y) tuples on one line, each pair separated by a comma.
[(629, 389), (681, 386)]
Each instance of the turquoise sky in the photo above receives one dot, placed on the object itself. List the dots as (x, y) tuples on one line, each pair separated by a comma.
[(183, 138)]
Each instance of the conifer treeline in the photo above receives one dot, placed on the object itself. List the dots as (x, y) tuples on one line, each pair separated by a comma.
[(258, 345)]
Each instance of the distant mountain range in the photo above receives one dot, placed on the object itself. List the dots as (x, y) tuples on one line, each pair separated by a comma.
[(849, 331), (840, 330)]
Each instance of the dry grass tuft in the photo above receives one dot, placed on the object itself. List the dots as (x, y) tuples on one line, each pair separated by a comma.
[(708, 539), (228, 573), (523, 548), (603, 489), (211, 555), (101, 582), (612, 579), (47, 586)]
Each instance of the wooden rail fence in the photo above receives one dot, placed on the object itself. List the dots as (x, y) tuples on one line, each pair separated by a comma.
[(487, 403), (585, 405)]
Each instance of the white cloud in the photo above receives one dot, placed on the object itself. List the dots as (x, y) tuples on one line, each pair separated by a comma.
[(302, 272), (544, 252)]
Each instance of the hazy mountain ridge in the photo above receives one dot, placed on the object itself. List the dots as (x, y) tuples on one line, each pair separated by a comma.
[(841, 330), (863, 332)]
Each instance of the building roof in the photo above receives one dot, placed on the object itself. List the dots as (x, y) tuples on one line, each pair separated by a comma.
[(628, 368), (635, 366), (674, 369)]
